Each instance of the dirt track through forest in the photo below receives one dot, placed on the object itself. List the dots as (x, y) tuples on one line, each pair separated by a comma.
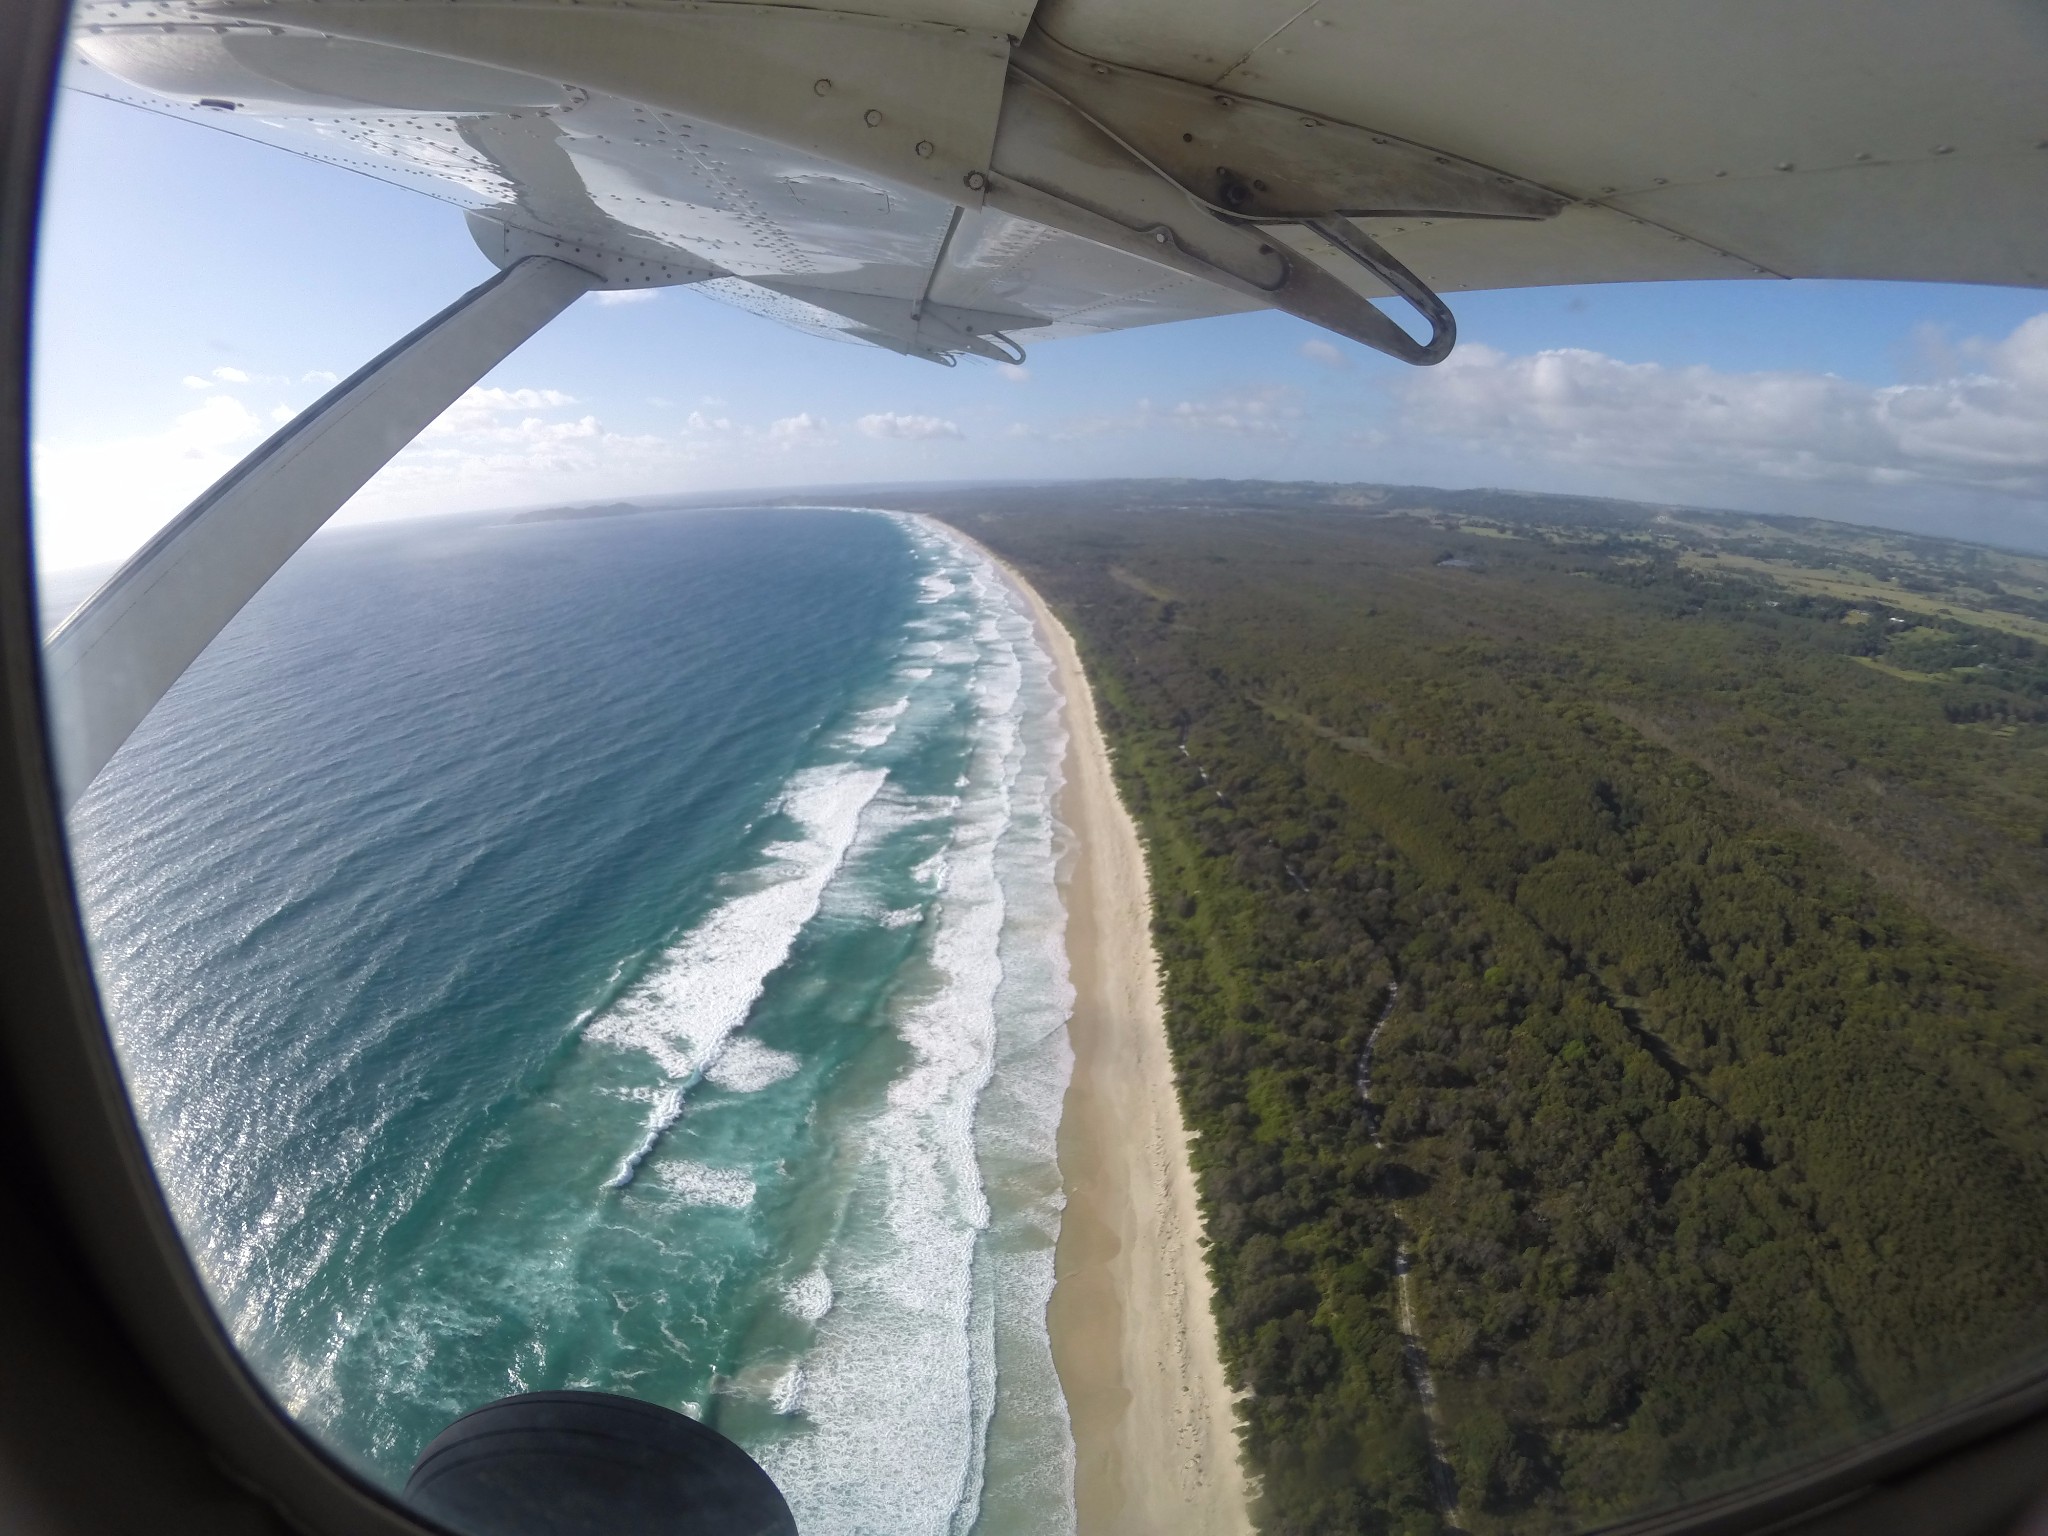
[(1443, 1482)]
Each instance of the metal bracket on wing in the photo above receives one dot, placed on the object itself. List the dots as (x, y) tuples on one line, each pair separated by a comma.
[(632, 263), (920, 328), (1379, 261), (553, 213), (981, 337), (1121, 156)]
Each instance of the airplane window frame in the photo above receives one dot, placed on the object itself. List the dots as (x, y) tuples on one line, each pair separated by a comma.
[(74, 1148), (76, 1165)]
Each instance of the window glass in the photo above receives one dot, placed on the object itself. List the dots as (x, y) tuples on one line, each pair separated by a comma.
[(1055, 946)]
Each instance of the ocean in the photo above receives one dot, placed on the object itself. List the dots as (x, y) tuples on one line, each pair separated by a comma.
[(620, 953)]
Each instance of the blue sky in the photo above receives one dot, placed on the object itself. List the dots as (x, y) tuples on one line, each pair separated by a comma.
[(195, 289)]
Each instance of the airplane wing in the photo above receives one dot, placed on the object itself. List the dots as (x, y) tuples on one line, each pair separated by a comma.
[(948, 178), (839, 252), (1148, 160), (1692, 138)]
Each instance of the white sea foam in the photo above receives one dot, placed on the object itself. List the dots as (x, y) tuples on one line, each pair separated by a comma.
[(698, 1184), (929, 1313), (809, 1295), (872, 728), (748, 1066), (686, 1009), (786, 1393), (915, 674), (901, 917), (1017, 1128), (667, 1109)]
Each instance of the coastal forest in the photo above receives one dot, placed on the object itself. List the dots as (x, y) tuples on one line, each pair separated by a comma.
[(1606, 961)]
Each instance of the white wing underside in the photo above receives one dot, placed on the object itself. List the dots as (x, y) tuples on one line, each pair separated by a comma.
[(1671, 139), (781, 222)]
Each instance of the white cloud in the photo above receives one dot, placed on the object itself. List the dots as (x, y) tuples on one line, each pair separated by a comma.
[(914, 428), (1981, 430), (506, 446), (1270, 413), (321, 376), (611, 296), (225, 374), (1263, 413), (801, 428), (522, 399), (219, 423), (496, 446), (1013, 373), (1317, 350), (99, 499), (479, 410)]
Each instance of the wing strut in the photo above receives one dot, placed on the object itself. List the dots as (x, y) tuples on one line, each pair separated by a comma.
[(108, 664)]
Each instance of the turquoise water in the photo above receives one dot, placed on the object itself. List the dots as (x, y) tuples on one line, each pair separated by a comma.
[(622, 954)]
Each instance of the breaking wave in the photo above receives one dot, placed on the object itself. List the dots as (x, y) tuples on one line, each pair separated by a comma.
[(683, 1013)]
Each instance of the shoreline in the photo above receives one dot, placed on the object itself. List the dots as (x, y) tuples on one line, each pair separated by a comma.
[(1132, 1321)]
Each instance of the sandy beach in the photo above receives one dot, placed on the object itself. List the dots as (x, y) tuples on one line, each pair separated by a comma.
[(1133, 1329)]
